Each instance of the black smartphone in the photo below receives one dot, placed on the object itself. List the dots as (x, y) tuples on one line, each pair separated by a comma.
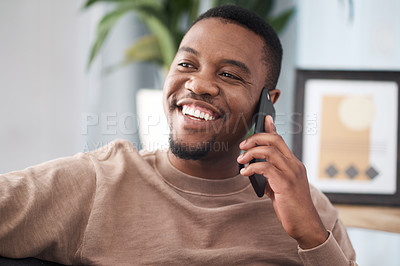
[(265, 107)]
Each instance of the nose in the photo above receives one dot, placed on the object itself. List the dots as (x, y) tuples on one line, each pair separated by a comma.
[(202, 84)]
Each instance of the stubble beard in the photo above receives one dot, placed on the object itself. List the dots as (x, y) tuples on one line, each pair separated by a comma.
[(193, 151), (186, 151)]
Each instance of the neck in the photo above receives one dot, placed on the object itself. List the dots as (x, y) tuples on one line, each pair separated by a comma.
[(213, 166)]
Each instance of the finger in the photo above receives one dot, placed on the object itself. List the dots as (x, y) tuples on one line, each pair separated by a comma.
[(262, 168), (269, 153), (269, 125), (266, 139)]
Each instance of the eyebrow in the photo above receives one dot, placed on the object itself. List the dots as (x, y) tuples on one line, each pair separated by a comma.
[(234, 62), (189, 50), (239, 64)]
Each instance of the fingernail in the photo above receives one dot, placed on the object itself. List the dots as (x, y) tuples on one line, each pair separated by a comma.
[(242, 171), (271, 120)]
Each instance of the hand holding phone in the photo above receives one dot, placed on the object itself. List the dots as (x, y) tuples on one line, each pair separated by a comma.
[(265, 107)]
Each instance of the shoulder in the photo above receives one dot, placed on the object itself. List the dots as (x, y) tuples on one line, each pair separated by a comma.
[(112, 149), (122, 152), (150, 156)]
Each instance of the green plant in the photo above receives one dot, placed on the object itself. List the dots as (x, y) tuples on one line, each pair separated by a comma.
[(167, 22)]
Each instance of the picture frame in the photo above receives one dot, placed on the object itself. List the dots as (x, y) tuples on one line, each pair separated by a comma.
[(346, 132)]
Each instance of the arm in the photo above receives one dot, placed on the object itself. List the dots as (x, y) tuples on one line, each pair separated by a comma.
[(44, 209), (288, 189), (336, 250)]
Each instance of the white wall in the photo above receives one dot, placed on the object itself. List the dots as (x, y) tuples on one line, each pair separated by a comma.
[(331, 35), (110, 100), (42, 80), (284, 106), (48, 100)]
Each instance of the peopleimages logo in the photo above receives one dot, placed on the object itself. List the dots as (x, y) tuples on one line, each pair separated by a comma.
[(121, 124), (113, 123), (106, 146)]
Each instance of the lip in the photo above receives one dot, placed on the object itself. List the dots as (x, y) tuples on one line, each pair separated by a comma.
[(187, 101)]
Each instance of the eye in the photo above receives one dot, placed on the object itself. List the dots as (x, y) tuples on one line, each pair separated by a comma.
[(228, 75), (185, 65)]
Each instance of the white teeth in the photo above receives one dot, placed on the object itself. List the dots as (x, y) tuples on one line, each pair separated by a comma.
[(196, 113), (191, 111)]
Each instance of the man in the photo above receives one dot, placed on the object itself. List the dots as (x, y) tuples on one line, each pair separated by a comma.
[(187, 205)]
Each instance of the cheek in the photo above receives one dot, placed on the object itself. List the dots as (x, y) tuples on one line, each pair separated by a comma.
[(249, 105), (173, 83), (165, 104), (241, 120)]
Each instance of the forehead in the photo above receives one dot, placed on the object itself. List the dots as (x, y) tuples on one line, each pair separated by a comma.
[(222, 37)]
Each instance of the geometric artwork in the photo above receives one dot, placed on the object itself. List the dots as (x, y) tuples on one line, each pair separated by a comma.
[(346, 133), (353, 145), (345, 137)]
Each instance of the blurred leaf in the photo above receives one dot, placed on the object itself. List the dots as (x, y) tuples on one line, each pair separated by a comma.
[(248, 4), (165, 39), (279, 22), (167, 21), (103, 28), (144, 49), (111, 18), (223, 2), (264, 7), (194, 11), (91, 2), (180, 15)]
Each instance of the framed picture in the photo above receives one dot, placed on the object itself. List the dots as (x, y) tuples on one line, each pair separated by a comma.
[(346, 132)]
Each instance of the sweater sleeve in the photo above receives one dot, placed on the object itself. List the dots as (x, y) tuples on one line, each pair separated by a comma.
[(328, 253), (44, 209), (337, 249)]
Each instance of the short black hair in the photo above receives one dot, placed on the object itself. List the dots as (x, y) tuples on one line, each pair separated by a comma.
[(255, 23)]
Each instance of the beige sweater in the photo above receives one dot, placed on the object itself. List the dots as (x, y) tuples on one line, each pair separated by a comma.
[(115, 206)]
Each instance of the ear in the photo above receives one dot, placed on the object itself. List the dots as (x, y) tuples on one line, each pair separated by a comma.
[(275, 93)]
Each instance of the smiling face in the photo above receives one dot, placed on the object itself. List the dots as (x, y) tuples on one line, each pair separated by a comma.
[(212, 88)]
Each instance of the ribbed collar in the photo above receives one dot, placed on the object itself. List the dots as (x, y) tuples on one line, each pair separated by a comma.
[(195, 185)]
